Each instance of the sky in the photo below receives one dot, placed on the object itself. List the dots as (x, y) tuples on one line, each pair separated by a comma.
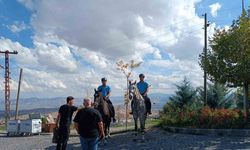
[(66, 47)]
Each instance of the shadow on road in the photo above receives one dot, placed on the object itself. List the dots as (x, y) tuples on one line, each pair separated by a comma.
[(74, 146)]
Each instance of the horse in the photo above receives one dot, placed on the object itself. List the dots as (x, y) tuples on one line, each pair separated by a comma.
[(102, 106), (138, 108)]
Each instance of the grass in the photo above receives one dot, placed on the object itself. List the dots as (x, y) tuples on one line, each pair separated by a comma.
[(2, 128), (153, 122), (149, 122)]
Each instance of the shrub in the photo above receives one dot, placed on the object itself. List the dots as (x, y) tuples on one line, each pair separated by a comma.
[(203, 118)]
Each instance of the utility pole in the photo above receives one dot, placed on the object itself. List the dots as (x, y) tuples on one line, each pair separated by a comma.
[(7, 84), (18, 92), (206, 24), (249, 10), (243, 6)]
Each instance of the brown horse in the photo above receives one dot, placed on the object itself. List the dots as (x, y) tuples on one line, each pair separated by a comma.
[(102, 106)]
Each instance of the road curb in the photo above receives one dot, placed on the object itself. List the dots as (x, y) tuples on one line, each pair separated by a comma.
[(218, 132), (111, 133)]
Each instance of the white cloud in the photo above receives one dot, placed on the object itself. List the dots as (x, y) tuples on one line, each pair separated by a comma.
[(215, 8), (28, 3), (56, 57), (26, 56), (73, 50), (17, 27), (117, 27)]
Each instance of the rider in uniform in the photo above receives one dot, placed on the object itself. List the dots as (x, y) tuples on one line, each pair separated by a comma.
[(104, 90), (143, 89)]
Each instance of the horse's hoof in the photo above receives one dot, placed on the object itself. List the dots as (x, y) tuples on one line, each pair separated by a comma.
[(105, 142)]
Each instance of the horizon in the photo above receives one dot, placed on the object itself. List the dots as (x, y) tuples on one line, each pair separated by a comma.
[(157, 98)]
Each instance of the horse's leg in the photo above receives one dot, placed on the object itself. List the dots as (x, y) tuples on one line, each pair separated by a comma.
[(135, 116), (108, 127), (136, 126), (135, 120), (105, 130), (142, 122)]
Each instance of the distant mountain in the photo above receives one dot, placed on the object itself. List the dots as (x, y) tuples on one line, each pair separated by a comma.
[(28, 111), (44, 105), (158, 100)]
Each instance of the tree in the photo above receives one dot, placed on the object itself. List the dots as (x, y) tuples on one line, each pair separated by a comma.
[(239, 96), (218, 96), (185, 94), (228, 59)]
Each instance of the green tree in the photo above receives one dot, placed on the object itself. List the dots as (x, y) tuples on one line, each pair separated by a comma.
[(228, 59), (239, 95), (185, 94), (218, 96)]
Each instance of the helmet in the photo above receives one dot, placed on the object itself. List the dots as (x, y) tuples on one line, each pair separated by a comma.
[(104, 79), (141, 75)]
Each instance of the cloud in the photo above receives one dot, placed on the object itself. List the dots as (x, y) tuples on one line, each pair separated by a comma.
[(17, 27), (215, 8), (28, 3), (78, 42), (54, 57), (118, 27), (26, 56)]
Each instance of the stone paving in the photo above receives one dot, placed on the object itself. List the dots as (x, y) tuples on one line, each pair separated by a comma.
[(155, 139)]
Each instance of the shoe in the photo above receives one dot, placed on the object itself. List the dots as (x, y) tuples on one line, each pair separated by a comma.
[(114, 120), (150, 113)]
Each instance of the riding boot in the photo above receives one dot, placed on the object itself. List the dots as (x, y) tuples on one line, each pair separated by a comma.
[(111, 110), (148, 104)]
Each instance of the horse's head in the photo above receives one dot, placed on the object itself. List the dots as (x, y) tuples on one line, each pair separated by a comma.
[(96, 94), (131, 89), (96, 98), (100, 104)]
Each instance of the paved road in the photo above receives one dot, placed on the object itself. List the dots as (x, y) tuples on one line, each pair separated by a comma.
[(155, 138)]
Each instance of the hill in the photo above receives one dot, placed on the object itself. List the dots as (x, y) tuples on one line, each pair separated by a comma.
[(46, 105)]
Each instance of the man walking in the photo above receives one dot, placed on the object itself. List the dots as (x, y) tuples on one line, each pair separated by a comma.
[(104, 90), (88, 123), (64, 118)]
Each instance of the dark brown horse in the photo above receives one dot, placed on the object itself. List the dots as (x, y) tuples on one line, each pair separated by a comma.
[(102, 106)]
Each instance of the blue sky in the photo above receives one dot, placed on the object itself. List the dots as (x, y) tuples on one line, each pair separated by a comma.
[(66, 47)]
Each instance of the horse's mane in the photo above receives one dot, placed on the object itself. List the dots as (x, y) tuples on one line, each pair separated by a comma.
[(138, 94)]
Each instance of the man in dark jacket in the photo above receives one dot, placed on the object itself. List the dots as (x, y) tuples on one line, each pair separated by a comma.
[(64, 118)]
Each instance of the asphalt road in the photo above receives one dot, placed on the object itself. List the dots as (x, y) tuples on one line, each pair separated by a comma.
[(155, 139)]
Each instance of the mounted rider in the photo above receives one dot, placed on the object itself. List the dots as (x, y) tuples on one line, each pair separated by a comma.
[(104, 90), (143, 89)]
